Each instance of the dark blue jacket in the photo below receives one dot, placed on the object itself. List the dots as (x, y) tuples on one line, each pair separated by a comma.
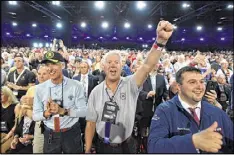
[(172, 127)]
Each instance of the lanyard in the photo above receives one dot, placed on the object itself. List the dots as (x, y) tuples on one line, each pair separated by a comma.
[(108, 124), (112, 98), (17, 79), (62, 95)]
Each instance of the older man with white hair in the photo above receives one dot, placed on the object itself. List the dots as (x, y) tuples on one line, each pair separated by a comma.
[(225, 71)]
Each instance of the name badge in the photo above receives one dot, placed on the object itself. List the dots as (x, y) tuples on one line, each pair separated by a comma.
[(110, 111), (15, 92)]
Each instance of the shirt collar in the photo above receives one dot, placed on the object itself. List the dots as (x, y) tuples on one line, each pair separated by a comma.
[(65, 79), (186, 106), (119, 84), (86, 75)]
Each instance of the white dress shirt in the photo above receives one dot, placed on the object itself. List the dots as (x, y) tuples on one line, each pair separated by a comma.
[(186, 106)]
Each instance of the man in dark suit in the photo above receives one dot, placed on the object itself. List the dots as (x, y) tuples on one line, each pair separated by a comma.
[(153, 92), (89, 82)]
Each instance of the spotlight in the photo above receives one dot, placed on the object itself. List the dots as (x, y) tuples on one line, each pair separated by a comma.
[(46, 36), (47, 44), (35, 45), (59, 25), (56, 3), (150, 26), (28, 35), (219, 28), (201, 39), (182, 39), (222, 38), (14, 24), (199, 28), (105, 25), (153, 38), (174, 27), (83, 24), (127, 38), (127, 25), (185, 5), (230, 6), (75, 37), (141, 5), (100, 37), (12, 2), (34, 25), (40, 45), (8, 33), (140, 38), (99, 4)]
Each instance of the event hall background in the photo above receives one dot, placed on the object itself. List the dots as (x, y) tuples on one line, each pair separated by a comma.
[(70, 47)]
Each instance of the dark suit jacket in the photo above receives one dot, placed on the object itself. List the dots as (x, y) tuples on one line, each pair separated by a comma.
[(92, 82), (161, 92)]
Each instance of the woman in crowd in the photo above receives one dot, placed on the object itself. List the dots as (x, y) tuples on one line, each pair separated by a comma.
[(8, 102)]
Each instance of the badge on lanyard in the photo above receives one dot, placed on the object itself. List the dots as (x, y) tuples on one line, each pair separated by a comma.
[(110, 111)]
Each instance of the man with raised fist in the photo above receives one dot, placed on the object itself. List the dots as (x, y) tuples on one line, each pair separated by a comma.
[(112, 104), (188, 124)]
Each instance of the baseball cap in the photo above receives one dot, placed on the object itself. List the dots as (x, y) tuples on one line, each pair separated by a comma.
[(19, 55), (53, 57)]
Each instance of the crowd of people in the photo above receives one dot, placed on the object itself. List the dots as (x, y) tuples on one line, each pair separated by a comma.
[(61, 100)]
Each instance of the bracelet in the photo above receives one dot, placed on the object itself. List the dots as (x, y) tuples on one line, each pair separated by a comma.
[(157, 47)]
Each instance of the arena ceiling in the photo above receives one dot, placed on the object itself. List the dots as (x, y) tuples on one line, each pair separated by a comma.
[(208, 14)]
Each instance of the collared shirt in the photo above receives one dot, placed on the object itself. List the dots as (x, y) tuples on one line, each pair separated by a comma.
[(126, 98), (73, 99), (153, 80), (186, 106), (84, 79)]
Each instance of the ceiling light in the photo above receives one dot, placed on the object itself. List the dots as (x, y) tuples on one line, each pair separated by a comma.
[(219, 28), (58, 25), (99, 4), (14, 24), (105, 25), (12, 2), (34, 25), (127, 25), (199, 28), (150, 26), (56, 3), (83, 24), (230, 6), (141, 5)]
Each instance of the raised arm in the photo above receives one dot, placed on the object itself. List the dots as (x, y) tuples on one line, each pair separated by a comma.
[(164, 31)]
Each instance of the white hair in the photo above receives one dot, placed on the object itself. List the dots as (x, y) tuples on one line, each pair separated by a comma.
[(114, 52)]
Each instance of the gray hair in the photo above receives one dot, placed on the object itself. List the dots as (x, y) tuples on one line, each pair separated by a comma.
[(114, 52)]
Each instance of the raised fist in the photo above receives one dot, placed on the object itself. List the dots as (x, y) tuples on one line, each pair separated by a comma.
[(164, 32)]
